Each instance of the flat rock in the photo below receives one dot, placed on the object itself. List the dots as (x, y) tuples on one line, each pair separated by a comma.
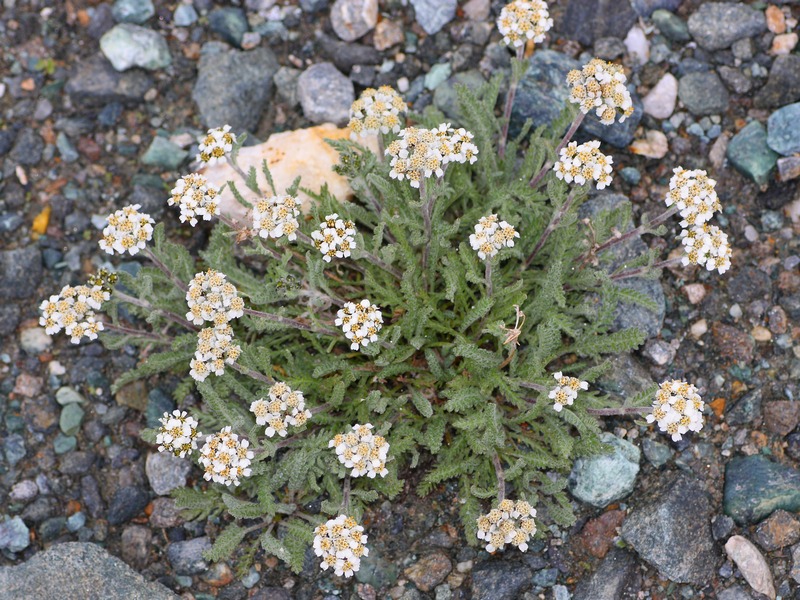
[(782, 416), (352, 19), (20, 273), (126, 504), (433, 15), (755, 487), (445, 97), (78, 570), (783, 84), (606, 478), (659, 527), (751, 564), (617, 578), (716, 25), (95, 82), (127, 46), (187, 557), (500, 580), (230, 23), (325, 94), (166, 472), (703, 93), (588, 20), (783, 130), (749, 153), (429, 571)]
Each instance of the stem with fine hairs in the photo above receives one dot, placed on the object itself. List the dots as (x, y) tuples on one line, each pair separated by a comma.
[(512, 92), (564, 141)]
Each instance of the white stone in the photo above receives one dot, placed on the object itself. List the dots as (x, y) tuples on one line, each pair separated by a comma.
[(654, 145), (751, 564), (660, 101), (637, 45), (35, 340), (352, 19)]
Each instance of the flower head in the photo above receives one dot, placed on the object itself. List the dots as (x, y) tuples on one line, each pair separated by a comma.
[(72, 309), (360, 322), (284, 407), (216, 144), (491, 236), (694, 194), (706, 245), (566, 390), (523, 20), (178, 433), (128, 230), (335, 237), (214, 350), (361, 451), (677, 409), (584, 162), (226, 458), (376, 111), (600, 86), (341, 543), (510, 523), (276, 216), (195, 197), (212, 298)]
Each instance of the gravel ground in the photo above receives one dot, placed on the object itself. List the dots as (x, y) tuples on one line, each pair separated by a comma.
[(97, 113)]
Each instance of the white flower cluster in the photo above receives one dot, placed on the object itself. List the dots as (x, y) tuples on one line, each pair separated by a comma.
[(600, 86), (523, 20), (195, 197), (216, 144), (335, 237), (178, 433), (584, 162), (491, 236), (127, 231), (73, 310), (212, 298), (376, 111), (285, 407), (341, 543), (510, 523), (677, 409), (692, 191), (421, 153), (362, 451), (360, 322), (214, 349), (708, 246), (225, 458), (566, 391), (276, 216)]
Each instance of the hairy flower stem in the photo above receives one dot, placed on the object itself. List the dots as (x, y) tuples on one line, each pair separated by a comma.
[(488, 276), (626, 410), (136, 332), (512, 92), (164, 269), (147, 306), (346, 495), (294, 323), (551, 226), (533, 386), (564, 141), (427, 214), (643, 269), (235, 166), (253, 374), (381, 149), (501, 478)]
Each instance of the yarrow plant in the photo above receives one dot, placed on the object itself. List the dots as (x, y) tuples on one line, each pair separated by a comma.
[(388, 336)]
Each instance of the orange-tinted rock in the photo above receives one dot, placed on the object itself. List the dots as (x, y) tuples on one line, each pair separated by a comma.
[(597, 536)]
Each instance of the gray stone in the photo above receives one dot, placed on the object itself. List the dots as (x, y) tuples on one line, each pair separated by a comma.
[(286, 85), (445, 98), (78, 570), (186, 557), (71, 419), (184, 15), (347, 55), (656, 453), (352, 19), (95, 82), (9, 318), (27, 149), (20, 272), (325, 94), (746, 410), (736, 81), (158, 403), (783, 84), (432, 15), (65, 148), (749, 153), (588, 20), (136, 544), (14, 448), (24, 491), (76, 463), (230, 24), (133, 11), (783, 130), (617, 134), (755, 487), (14, 536), (646, 8), (703, 93), (660, 527), (127, 46), (499, 580), (716, 25), (313, 6), (128, 502), (606, 478), (437, 75), (625, 377), (163, 153), (233, 87), (166, 472), (616, 578), (734, 592), (609, 48)]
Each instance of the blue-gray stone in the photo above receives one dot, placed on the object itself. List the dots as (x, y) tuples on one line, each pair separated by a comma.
[(617, 577), (630, 175), (605, 478), (325, 94), (783, 130), (657, 453), (14, 448), (230, 24), (166, 472), (158, 403), (14, 537), (184, 15), (716, 25), (76, 521), (95, 82), (432, 15), (20, 272), (164, 154), (749, 153), (132, 11), (645, 8), (703, 93), (590, 20), (10, 222), (545, 577), (445, 98), (617, 134), (64, 443), (65, 148), (110, 114), (499, 580), (67, 395), (312, 6), (186, 557), (251, 579), (437, 75), (126, 504), (755, 487), (71, 419), (377, 571), (51, 528), (127, 46), (783, 85)]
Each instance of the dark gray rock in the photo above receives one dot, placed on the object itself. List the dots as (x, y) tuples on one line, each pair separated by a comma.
[(20, 272), (716, 25), (102, 20), (703, 93), (345, 56), (445, 98), (128, 502), (500, 580), (76, 463), (588, 20), (721, 527), (166, 472), (657, 454), (645, 8), (151, 200), (783, 84), (9, 318), (95, 82), (78, 570), (748, 284), (432, 15), (755, 487), (783, 130), (233, 87), (749, 153), (187, 557), (7, 137), (325, 94), (736, 81), (609, 48), (617, 134), (27, 148), (660, 526), (229, 23), (747, 409), (617, 578), (672, 26)]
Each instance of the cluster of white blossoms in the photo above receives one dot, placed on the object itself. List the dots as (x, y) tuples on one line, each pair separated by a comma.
[(178, 433), (523, 20), (510, 523), (212, 298), (276, 216), (491, 236), (72, 309), (566, 390), (341, 543), (707, 246), (677, 409), (214, 350), (360, 322), (584, 162), (335, 237), (600, 86), (225, 457), (376, 111), (694, 194), (420, 153), (362, 451), (216, 144), (195, 197), (285, 407), (128, 230)]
